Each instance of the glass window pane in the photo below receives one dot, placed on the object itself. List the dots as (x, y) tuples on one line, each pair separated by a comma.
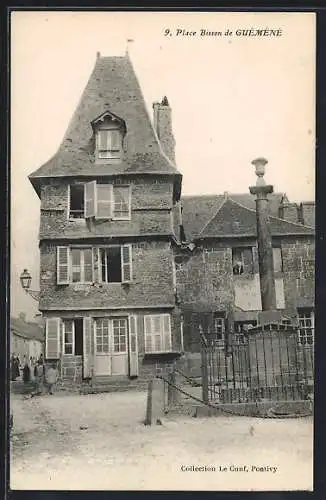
[(75, 256)]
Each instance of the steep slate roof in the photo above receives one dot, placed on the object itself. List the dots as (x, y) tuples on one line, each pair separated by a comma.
[(198, 210), (31, 331), (113, 87), (233, 219)]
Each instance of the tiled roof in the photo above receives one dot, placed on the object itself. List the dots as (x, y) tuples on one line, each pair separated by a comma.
[(234, 215), (198, 210), (27, 330), (113, 87), (235, 220)]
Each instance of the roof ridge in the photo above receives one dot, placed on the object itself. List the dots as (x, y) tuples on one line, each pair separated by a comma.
[(241, 205), (290, 222), (214, 215), (149, 119), (221, 195)]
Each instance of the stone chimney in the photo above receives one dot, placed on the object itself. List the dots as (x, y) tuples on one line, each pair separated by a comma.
[(307, 213), (163, 127), (288, 211)]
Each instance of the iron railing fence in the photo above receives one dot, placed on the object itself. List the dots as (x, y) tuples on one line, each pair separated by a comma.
[(269, 365)]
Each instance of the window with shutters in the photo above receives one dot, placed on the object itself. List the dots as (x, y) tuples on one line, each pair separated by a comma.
[(115, 264), (109, 144), (157, 329), (107, 201), (76, 265)]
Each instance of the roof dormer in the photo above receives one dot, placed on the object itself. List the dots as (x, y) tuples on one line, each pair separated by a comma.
[(109, 132)]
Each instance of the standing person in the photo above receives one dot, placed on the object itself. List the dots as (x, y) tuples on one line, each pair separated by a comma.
[(26, 373), (13, 367), (17, 367), (39, 378), (31, 365), (51, 377)]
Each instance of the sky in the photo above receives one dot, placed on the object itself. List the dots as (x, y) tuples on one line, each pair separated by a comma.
[(233, 98)]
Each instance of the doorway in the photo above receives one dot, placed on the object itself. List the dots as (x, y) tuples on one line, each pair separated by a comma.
[(111, 346)]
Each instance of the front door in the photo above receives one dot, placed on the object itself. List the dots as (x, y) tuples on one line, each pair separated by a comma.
[(111, 354)]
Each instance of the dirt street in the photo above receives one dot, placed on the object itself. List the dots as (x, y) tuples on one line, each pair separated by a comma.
[(99, 442)]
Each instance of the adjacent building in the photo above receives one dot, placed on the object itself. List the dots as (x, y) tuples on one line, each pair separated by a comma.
[(26, 338), (126, 263)]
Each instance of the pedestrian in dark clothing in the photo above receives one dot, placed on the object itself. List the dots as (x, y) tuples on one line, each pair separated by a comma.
[(17, 367), (13, 367), (26, 373)]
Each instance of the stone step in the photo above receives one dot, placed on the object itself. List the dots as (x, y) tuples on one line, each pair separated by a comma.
[(96, 389)]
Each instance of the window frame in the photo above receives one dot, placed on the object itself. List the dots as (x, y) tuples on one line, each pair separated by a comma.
[(281, 259), (122, 263), (82, 265), (123, 186), (151, 318), (76, 219), (217, 342), (302, 330), (245, 270), (109, 151), (95, 200), (64, 343)]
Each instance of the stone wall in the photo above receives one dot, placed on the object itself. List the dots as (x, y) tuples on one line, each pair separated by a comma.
[(152, 281), (151, 206), (205, 281)]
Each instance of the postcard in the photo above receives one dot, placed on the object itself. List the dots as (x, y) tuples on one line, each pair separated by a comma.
[(162, 250)]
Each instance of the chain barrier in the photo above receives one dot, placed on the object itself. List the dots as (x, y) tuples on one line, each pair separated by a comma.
[(270, 413)]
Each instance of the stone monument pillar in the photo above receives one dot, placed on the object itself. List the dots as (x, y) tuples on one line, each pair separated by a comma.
[(265, 250)]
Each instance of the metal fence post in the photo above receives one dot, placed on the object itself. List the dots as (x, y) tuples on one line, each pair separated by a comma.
[(204, 372)]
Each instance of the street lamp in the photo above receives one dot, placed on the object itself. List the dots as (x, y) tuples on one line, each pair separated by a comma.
[(25, 281)]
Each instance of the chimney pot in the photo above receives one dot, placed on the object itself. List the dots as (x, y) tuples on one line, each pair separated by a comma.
[(163, 127)]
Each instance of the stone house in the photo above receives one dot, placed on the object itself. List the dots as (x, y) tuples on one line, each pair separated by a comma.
[(26, 338), (124, 260), (218, 271)]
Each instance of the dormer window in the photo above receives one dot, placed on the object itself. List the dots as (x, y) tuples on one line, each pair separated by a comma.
[(109, 131), (109, 144)]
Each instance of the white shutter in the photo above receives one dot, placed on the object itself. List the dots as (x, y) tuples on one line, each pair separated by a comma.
[(52, 338), (87, 346), (166, 329), (126, 263), (115, 140), (62, 265), (90, 199), (133, 347)]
